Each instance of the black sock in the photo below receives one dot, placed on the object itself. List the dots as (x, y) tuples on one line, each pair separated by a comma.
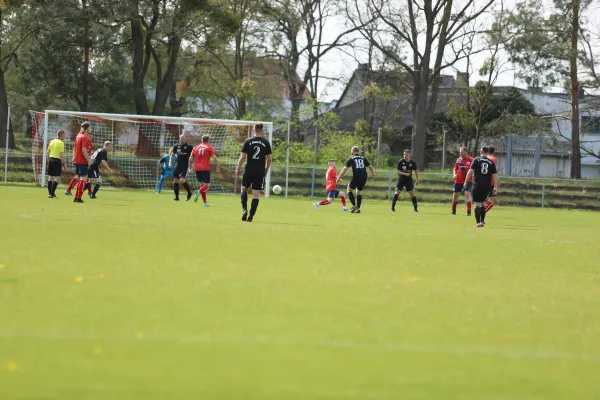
[(414, 200), (87, 185), (478, 214), (50, 186), (358, 200), (244, 198), (96, 188), (253, 207), (482, 213), (187, 187), (54, 188), (351, 197), (394, 201), (176, 190)]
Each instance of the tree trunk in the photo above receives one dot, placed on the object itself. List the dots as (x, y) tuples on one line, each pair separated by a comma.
[(86, 58), (239, 73), (137, 39), (576, 152), (163, 90), (419, 133), (174, 103), (4, 116)]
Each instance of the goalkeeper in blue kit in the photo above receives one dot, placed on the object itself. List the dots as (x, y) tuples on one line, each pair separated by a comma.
[(166, 171)]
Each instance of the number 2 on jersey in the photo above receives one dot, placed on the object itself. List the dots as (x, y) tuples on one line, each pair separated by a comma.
[(256, 153)]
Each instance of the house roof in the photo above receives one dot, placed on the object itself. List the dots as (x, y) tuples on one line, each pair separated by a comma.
[(363, 76)]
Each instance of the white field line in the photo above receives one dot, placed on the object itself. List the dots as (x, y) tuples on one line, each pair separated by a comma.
[(539, 354)]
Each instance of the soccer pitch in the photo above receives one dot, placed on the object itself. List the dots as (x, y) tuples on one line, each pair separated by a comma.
[(134, 296)]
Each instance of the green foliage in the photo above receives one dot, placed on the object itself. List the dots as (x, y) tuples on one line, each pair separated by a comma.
[(337, 146), (540, 40)]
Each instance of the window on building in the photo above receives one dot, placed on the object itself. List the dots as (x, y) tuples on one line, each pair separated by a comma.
[(590, 124)]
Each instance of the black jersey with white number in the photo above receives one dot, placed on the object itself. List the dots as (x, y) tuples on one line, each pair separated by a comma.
[(183, 151), (358, 164), (257, 149), (406, 166), (99, 156), (483, 169)]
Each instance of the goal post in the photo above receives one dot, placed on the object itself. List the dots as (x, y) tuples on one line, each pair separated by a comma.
[(139, 141)]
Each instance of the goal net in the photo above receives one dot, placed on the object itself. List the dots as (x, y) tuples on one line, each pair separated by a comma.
[(139, 141)]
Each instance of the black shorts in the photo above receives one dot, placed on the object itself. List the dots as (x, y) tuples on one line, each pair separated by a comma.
[(81, 169), (203, 176), (481, 193), (407, 183), (254, 178), (180, 171), (94, 171), (358, 182), (55, 167)]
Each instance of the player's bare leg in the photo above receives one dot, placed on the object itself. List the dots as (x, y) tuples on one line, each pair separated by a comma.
[(454, 202), (244, 201), (254, 204), (413, 198)]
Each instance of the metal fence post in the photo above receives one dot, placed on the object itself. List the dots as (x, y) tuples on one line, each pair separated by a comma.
[(509, 146), (390, 186), (538, 156), (543, 191), (312, 186), (6, 150)]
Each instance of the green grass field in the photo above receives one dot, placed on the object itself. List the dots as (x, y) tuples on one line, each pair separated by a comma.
[(133, 296)]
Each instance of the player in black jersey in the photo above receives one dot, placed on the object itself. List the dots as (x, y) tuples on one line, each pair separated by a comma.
[(100, 157), (258, 156), (484, 171), (405, 168), (359, 165), (182, 150)]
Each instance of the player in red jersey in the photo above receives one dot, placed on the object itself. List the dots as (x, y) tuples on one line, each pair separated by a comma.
[(81, 159), (331, 188), (200, 159), (461, 168), (493, 200)]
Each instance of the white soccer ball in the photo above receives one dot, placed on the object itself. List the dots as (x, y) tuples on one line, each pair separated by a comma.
[(276, 189)]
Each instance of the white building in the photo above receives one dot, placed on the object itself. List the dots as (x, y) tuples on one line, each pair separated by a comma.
[(558, 108)]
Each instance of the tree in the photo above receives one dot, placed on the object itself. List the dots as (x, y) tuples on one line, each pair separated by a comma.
[(424, 30), (298, 32), (12, 37), (75, 59), (546, 47)]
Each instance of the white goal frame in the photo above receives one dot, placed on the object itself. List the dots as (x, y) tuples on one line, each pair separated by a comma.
[(161, 119)]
